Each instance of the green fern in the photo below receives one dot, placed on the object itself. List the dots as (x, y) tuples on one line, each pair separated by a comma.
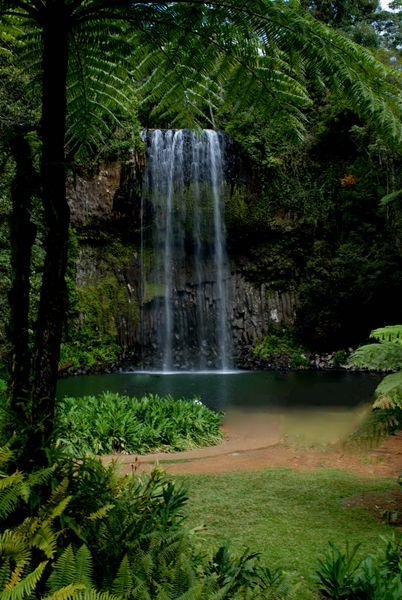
[(390, 333), (394, 198), (387, 355), (24, 588), (123, 583), (27, 543), (189, 60), (72, 567), (389, 392), (386, 417), (69, 592)]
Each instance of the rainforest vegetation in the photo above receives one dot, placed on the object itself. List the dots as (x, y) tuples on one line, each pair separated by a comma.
[(309, 93)]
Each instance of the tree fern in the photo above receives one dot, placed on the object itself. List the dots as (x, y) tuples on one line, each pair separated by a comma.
[(387, 355), (387, 415), (390, 333), (263, 55), (389, 392)]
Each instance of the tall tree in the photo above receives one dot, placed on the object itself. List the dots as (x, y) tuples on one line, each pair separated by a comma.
[(264, 53)]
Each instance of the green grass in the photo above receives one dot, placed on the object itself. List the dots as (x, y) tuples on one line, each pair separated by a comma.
[(287, 516)]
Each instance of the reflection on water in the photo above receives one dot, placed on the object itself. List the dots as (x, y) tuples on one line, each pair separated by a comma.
[(309, 407)]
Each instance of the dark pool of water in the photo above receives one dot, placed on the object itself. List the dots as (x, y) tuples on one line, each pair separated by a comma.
[(237, 390)]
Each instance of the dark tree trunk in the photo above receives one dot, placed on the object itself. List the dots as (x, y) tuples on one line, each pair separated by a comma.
[(22, 238), (53, 299)]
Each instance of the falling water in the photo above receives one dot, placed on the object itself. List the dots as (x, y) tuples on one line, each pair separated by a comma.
[(187, 268)]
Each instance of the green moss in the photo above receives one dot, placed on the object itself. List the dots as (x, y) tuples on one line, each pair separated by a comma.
[(98, 308)]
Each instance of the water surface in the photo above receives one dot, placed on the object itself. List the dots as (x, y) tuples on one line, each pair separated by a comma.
[(308, 408), (236, 389)]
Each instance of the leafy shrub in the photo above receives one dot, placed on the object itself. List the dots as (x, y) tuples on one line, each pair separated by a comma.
[(28, 539), (96, 352), (113, 423), (375, 577), (337, 572), (136, 546), (281, 343), (340, 358)]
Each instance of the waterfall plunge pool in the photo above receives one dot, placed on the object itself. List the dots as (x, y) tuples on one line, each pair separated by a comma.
[(313, 407)]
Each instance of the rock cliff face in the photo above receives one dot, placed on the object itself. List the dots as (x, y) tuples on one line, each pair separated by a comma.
[(91, 199), (108, 265), (108, 196)]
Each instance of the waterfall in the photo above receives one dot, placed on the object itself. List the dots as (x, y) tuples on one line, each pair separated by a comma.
[(185, 266)]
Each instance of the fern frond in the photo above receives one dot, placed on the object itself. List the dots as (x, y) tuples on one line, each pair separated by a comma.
[(14, 547), (387, 355), (94, 595), (84, 566), (57, 510), (101, 512), (69, 592), (5, 455), (389, 392), (123, 582), (390, 333), (45, 539), (59, 492), (394, 198), (26, 586), (64, 571), (7, 481), (39, 477), (9, 500)]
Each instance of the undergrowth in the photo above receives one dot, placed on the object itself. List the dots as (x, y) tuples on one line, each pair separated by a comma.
[(280, 343), (114, 423)]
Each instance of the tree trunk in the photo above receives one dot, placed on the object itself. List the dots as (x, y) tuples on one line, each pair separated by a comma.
[(53, 299), (22, 238)]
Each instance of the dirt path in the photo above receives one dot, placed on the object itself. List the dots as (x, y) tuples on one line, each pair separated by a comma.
[(258, 444)]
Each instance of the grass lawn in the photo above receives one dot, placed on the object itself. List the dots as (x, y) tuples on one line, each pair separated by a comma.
[(287, 516)]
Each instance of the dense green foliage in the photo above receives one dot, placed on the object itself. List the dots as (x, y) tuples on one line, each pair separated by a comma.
[(281, 343), (114, 423), (386, 355), (389, 392), (306, 218), (341, 577), (99, 537)]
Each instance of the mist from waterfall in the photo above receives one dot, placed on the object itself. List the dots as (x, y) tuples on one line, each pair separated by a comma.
[(185, 265)]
